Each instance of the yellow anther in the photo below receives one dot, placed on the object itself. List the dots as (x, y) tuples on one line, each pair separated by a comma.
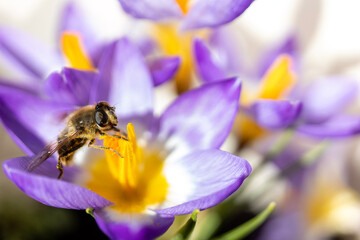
[(74, 51), (279, 79), (132, 182), (173, 42), (184, 5)]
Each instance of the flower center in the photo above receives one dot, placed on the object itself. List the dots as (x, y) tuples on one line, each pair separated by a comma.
[(173, 42), (133, 181), (74, 52), (277, 82), (331, 207)]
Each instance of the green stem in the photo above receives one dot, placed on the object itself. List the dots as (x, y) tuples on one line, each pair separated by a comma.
[(208, 226), (279, 146), (185, 232), (245, 229), (306, 160)]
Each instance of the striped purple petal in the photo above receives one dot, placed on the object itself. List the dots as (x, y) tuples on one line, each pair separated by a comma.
[(228, 51), (154, 10), (22, 135), (42, 185), (25, 55), (132, 226), (163, 69), (70, 86), (338, 126), (289, 47), (122, 73), (201, 118), (73, 19), (212, 13), (326, 97), (209, 177), (206, 64), (31, 120), (275, 114)]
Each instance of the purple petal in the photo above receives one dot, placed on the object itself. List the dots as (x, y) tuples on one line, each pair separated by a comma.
[(212, 13), (201, 118), (42, 185), (289, 47), (227, 50), (124, 80), (326, 97), (163, 69), (24, 137), (339, 126), (206, 64), (70, 86), (26, 55), (131, 226), (154, 10), (275, 114), (42, 118), (73, 19), (213, 175)]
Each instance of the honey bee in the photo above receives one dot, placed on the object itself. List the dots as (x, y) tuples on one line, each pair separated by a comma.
[(83, 127)]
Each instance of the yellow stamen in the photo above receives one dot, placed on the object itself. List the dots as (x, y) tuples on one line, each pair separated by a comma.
[(184, 5), (247, 129), (331, 205), (74, 51), (133, 181), (277, 82), (174, 43), (279, 79)]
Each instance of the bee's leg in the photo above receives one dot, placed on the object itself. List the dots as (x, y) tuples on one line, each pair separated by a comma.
[(102, 147), (123, 134), (123, 137), (59, 166)]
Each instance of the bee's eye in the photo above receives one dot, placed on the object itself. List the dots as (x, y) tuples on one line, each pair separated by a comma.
[(101, 118)]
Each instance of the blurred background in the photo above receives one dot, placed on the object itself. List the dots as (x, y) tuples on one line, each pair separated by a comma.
[(329, 41)]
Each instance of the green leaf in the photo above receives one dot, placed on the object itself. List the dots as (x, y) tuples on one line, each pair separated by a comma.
[(186, 230), (245, 229), (210, 223)]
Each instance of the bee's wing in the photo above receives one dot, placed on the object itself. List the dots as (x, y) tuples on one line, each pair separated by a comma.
[(49, 150)]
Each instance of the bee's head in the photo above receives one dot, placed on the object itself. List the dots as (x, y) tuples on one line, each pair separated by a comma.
[(105, 116)]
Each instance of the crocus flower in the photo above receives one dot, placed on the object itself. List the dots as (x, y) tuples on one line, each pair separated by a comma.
[(324, 108), (171, 21), (80, 47), (325, 207), (264, 102), (171, 165), (273, 105), (193, 14)]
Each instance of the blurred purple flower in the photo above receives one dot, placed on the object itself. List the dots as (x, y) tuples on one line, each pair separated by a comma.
[(189, 132), (267, 107), (324, 102), (193, 15), (325, 206), (31, 60), (316, 111)]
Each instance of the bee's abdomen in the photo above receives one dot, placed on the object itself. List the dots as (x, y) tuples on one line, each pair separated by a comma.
[(71, 146)]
